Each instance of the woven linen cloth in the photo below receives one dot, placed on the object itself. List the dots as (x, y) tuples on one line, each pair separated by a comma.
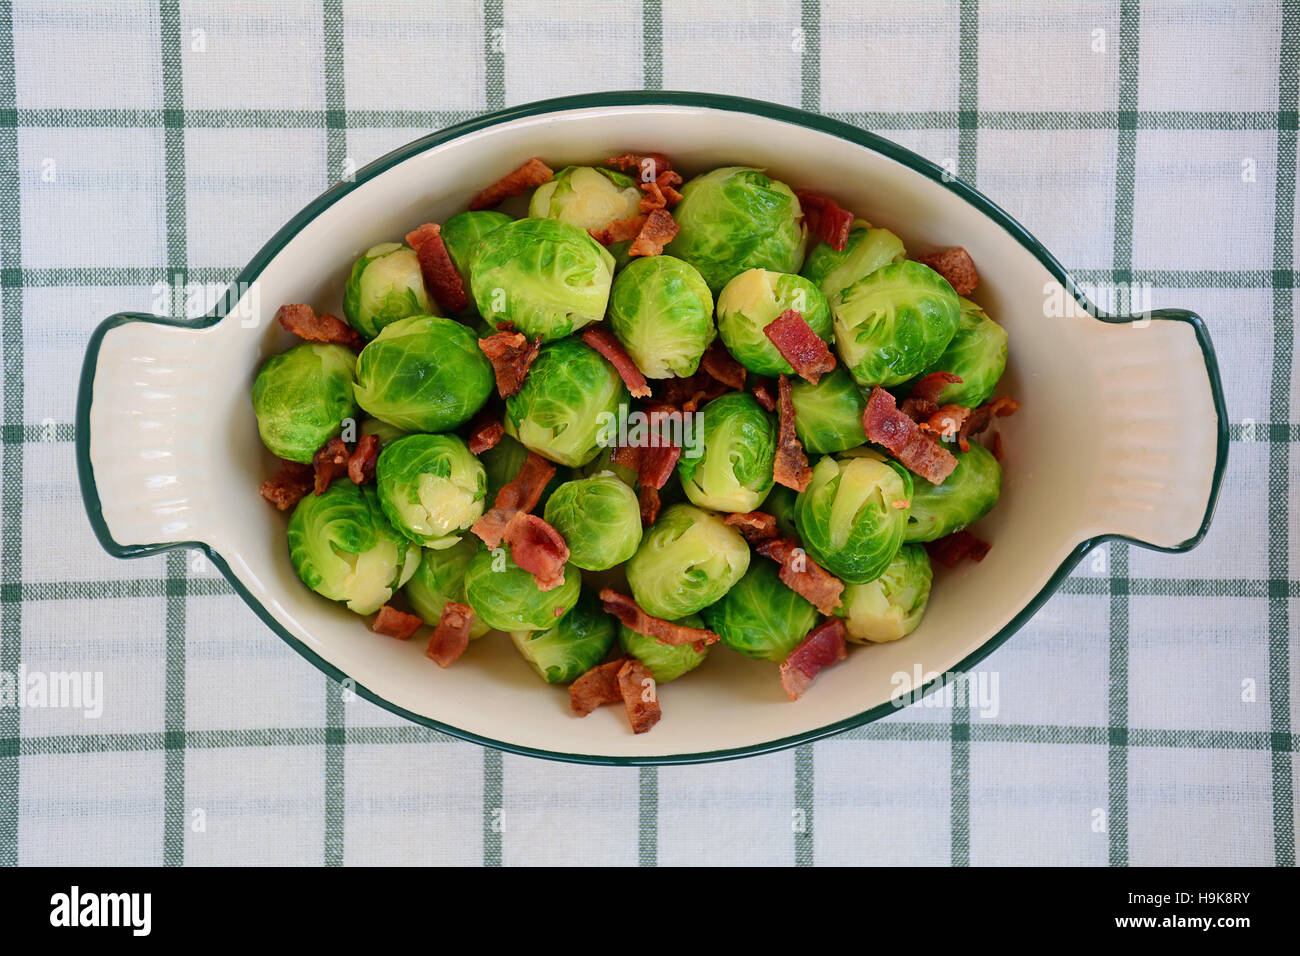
[(1147, 713)]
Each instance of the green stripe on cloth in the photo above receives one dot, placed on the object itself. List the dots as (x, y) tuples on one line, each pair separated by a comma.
[(648, 816), (810, 23), (494, 820), (805, 802), (494, 57), (652, 44)]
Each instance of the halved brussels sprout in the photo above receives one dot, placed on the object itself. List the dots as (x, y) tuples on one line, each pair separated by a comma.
[(734, 473), (560, 412), (892, 605), (301, 397), (662, 312), (344, 549), (736, 218), (867, 250), (828, 415), (423, 374), (441, 578), (431, 487), (977, 355), (461, 233), (587, 197), (577, 643), (386, 284), (665, 662), (687, 560), (894, 324), (852, 516), (965, 496), (760, 617), (502, 464), (548, 277), (752, 300), (507, 597), (599, 519)]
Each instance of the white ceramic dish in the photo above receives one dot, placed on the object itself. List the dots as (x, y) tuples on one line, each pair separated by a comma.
[(1122, 432)]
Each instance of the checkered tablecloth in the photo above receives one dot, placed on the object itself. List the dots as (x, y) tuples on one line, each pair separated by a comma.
[(1147, 713)]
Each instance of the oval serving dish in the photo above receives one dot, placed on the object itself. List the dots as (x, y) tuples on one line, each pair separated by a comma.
[(1122, 434)]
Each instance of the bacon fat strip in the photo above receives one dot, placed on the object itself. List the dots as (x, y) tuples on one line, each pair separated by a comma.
[(823, 646), (665, 632), (917, 451), (441, 277), (791, 466), (806, 351), (604, 342), (537, 548)]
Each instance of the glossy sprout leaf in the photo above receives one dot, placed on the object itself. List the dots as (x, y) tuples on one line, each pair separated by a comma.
[(965, 496), (576, 644), (734, 471), (507, 597), (599, 519), (687, 560), (977, 355), (431, 488), (760, 617), (752, 301), (868, 248), (440, 578), (301, 397), (828, 415), (891, 606), (386, 284), (662, 312), (587, 197)]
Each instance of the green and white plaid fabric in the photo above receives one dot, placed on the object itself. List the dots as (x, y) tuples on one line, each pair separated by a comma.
[(1147, 715)]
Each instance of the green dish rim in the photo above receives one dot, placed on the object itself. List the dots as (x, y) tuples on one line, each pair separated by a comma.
[(785, 114)]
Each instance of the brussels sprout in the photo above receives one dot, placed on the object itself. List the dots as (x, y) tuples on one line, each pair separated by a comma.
[(461, 233), (687, 560), (734, 472), (662, 312), (431, 488), (587, 197), (507, 597), (749, 303), (577, 643), (548, 277), (440, 578), (599, 518), (604, 462), (866, 251), (828, 415), (423, 374), (760, 617), (780, 505), (965, 496), (977, 355), (562, 410), (736, 218), (852, 516), (344, 549), (386, 284), (892, 605), (894, 324), (382, 430), (665, 662), (301, 397), (502, 464)]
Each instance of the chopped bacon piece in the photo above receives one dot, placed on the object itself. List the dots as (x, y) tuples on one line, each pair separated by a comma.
[(647, 499), (665, 632), (640, 695), (827, 219), (440, 276), (293, 482), (658, 195), (718, 363), (596, 687), (928, 389), (361, 463), (754, 525), (823, 646), (537, 548), (451, 636), (649, 167), (687, 394), (511, 354), (799, 345), (886, 425), (486, 431), (762, 390), (515, 183), (996, 446), (946, 422), (956, 266), (979, 418), (658, 230), (791, 466), (519, 494), (303, 322), (620, 230), (395, 623), (952, 549), (801, 574), (329, 462), (656, 464), (604, 342)]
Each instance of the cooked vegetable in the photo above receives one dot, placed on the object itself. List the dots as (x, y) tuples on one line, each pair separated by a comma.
[(431, 488), (666, 662), (578, 642), (687, 560), (734, 471), (599, 519), (423, 373), (867, 250), (662, 312), (502, 464), (385, 285), (892, 605), (752, 300), (965, 496), (344, 549), (760, 617), (439, 578), (382, 430), (828, 415), (461, 234), (780, 505), (507, 598), (587, 197), (977, 355), (301, 397)]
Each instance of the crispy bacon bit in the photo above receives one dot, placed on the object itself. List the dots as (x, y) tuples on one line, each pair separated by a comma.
[(658, 230), (718, 363), (801, 574), (754, 525), (979, 418), (927, 390), (395, 623), (537, 548), (653, 465), (823, 646), (511, 354), (665, 632), (519, 494), (640, 695), (485, 431), (361, 463), (886, 425), (762, 390), (791, 467), (956, 266), (827, 219), (799, 345), (952, 549), (329, 462), (597, 687), (451, 636), (649, 167), (440, 276), (946, 422), (688, 394), (528, 176), (293, 482), (656, 464), (659, 195), (604, 342), (303, 322), (647, 499), (620, 230)]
